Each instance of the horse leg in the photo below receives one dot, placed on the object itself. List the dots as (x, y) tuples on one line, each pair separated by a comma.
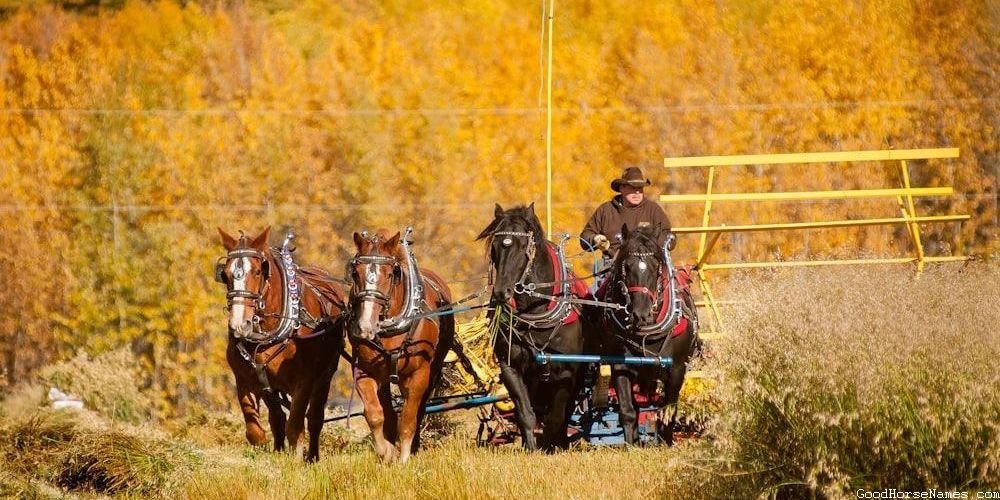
[(414, 389), (622, 379), (556, 420), (295, 426), (248, 406), (674, 384), (368, 390), (526, 419), (315, 415), (390, 427), (276, 418)]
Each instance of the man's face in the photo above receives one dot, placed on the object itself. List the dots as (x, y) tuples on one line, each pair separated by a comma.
[(632, 195)]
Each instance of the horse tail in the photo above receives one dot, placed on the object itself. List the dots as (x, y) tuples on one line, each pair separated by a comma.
[(446, 339)]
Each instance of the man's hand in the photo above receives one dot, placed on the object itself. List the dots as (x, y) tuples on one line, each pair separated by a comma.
[(601, 242)]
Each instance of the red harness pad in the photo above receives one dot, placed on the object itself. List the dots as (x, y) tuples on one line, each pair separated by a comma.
[(683, 279)]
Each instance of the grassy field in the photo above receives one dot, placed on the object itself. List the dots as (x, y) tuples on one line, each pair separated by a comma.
[(830, 381)]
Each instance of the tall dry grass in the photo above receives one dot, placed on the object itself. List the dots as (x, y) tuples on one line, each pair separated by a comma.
[(109, 384), (838, 379)]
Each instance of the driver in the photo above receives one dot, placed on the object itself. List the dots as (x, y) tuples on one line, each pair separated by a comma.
[(629, 208)]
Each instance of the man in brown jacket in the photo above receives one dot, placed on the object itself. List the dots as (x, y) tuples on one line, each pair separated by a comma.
[(630, 208)]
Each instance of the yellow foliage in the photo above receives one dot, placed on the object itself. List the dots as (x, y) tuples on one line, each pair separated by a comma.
[(127, 135)]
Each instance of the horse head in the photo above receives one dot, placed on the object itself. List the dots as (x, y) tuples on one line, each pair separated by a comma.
[(376, 270), (245, 270), (512, 239), (639, 273)]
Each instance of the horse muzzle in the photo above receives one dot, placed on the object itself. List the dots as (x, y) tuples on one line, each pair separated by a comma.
[(364, 332), (241, 330), (641, 319)]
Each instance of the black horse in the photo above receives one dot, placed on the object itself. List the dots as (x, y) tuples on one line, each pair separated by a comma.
[(528, 320), (659, 320)]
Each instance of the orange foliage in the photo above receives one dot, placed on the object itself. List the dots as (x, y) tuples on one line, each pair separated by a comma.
[(128, 135)]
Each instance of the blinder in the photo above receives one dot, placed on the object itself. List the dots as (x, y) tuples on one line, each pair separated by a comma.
[(220, 270), (378, 260), (508, 241), (265, 269)]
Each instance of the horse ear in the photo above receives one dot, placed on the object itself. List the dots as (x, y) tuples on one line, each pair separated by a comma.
[(531, 207), (498, 211), (392, 242), (260, 242), (492, 226), (228, 242), (358, 240), (624, 232)]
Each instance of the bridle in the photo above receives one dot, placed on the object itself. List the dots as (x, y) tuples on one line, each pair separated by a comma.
[(413, 297), (291, 292), (530, 251), (549, 318), (373, 263), (628, 290), (256, 299), (665, 285)]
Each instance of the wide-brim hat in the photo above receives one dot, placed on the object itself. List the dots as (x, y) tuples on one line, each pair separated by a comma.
[(633, 177)]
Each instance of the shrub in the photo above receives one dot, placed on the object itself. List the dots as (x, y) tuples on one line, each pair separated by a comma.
[(836, 380)]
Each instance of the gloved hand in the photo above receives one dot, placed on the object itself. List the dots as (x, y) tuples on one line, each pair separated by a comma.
[(601, 242)]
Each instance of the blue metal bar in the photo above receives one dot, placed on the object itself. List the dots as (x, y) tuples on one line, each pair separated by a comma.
[(468, 403), (545, 358), (443, 399)]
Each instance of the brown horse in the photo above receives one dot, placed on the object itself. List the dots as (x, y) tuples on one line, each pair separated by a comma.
[(393, 339), (286, 333)]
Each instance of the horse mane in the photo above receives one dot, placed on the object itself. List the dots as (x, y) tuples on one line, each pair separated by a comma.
[(523, 212)]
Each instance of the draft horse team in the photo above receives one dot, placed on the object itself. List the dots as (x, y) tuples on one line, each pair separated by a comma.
[(289, 326)]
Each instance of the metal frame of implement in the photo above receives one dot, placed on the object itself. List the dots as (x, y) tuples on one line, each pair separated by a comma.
[(904, 195)]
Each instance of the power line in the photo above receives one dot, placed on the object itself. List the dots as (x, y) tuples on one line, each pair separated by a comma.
[(680, 108), (340, 206)]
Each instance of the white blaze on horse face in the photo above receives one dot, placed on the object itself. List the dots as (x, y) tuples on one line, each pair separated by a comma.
[(368, 320), (239, 269)]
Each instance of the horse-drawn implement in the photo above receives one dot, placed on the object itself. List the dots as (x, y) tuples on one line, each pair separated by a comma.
[(601, 367), (553, 362)]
